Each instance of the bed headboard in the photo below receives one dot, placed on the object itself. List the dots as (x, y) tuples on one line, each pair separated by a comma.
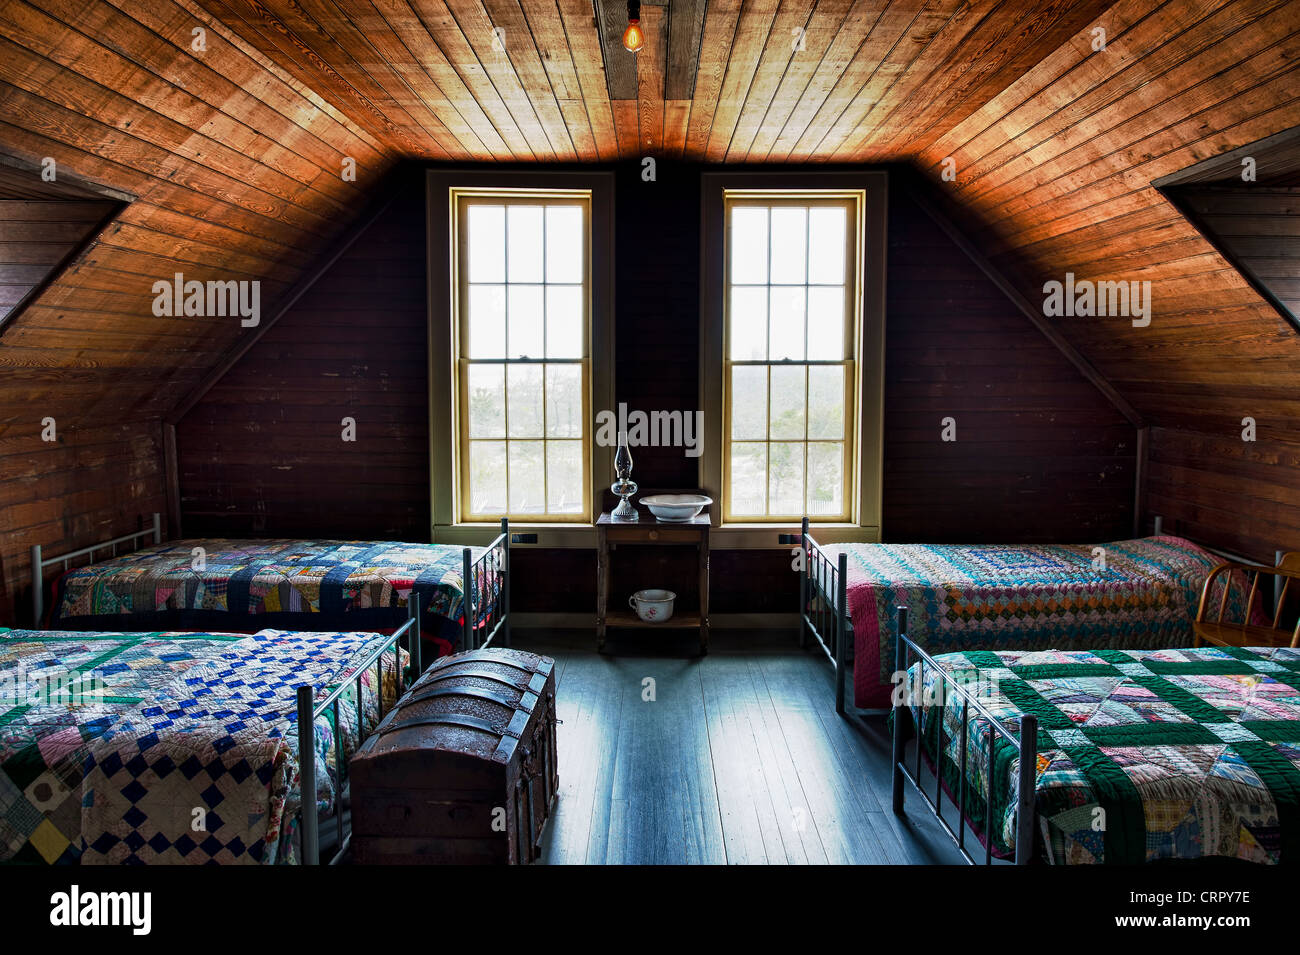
[(40, 562), (1230, 557)]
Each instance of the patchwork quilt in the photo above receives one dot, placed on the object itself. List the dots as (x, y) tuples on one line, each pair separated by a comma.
[(1143, 755), (214, 584), (1136, 594), (170, 747)]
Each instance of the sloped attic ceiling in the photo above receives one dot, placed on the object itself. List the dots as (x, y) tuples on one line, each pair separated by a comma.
[(232, 120)]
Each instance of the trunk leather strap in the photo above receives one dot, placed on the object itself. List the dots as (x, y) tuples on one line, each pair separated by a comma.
[(483, 674), (477, 692), (451, 719)]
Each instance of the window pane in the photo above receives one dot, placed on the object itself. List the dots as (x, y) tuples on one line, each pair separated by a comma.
[(748, 324), (789, 245), (527, 478), (524, 243), (525, 321), (487, 321), (826, 324), (487, 477), (825, 479), (826, 246), (748, 479), (787, 401), (564, 401), (524, 338), (487, 243), (826, 401), (525, 401), (487, 401), (564, 477), (786, 478), (564, 321), (788, 278), (787, 323), (748, 245), (564, 245), (748, 402)]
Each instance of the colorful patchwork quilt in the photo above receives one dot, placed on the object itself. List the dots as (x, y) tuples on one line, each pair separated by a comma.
[(1143, 755), (170, 747), (213, 584), (1140, 594)]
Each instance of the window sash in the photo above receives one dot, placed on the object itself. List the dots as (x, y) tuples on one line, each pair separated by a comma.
[(852, 203), (462, 202)]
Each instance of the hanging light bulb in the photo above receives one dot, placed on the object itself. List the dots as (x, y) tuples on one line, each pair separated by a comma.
[(633, 36)]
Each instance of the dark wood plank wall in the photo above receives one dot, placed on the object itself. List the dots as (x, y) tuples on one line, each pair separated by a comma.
[(88, 485), (1257, 226), (263, 453), (36, 236), (1040, 454), (1230, 484), (1217, 488)]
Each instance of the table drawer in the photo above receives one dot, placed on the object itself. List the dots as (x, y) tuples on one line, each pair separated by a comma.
[(655, 534)]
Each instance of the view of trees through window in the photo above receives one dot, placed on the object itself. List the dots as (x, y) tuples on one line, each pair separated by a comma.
[(524, 351), (789, 376)]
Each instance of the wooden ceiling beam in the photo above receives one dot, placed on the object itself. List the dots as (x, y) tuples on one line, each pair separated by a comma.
[(620, 65), (685, 31)]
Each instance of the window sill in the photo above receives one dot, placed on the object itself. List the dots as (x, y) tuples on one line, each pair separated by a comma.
[(577, 535), (721, 537)]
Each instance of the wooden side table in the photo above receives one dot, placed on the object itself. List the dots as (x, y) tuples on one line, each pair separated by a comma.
[(645, 532)]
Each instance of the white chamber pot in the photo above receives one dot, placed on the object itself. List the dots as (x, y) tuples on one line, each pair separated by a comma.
[(652, 606)]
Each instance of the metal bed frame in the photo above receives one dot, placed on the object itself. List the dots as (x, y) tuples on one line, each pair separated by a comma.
[(824, 606), (493, 565), (39, 562), (478, 574), (488, 574), (824, 612), (309, 709), (949, 690)]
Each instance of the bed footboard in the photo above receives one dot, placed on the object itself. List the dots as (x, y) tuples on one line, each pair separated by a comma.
[(310, 709), (824, 606), (951, 692), (487, 591)]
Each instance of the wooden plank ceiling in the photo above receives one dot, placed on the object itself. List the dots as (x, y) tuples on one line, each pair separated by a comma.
[(235, 151)]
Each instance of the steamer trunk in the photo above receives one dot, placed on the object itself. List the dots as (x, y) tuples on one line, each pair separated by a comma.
[(463, 769)]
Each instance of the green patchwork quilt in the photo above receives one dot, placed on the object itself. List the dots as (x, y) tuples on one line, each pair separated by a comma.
[(1143, 755)]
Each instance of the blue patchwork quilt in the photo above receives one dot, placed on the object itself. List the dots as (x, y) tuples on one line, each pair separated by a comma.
[(169, 747), (251, 584)]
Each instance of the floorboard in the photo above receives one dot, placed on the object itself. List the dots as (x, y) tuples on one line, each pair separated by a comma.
[(734, 758)]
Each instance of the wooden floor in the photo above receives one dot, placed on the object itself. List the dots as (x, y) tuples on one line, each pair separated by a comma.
[(737, 757)]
